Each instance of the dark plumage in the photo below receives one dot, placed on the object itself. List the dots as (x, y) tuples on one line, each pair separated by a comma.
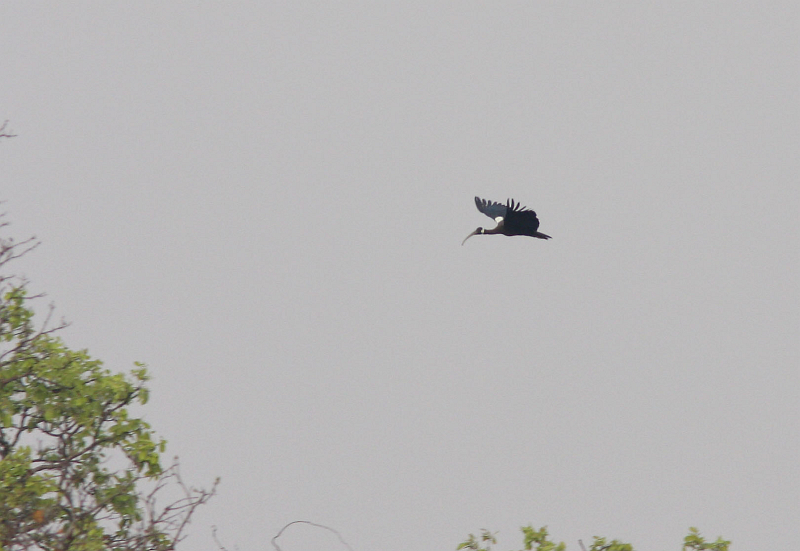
[(512, 219)]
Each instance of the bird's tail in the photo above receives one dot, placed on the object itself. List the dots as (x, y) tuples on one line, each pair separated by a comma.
[(541, 235)]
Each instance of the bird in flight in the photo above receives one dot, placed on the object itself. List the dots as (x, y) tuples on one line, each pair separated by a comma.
[(512, 219)]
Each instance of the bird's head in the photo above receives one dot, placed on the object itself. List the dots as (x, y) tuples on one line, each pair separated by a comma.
[(479, 231)]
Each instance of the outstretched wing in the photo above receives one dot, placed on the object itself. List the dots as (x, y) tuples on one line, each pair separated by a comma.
[(520, 220), (491, 209)]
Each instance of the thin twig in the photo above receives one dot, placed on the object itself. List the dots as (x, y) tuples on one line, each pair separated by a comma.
[(216, 540), (3, 131), (338, 535)]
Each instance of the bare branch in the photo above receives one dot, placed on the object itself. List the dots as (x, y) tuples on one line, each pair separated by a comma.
[(10, 249), (338, 535), (175, 517), (3, 133), (216, 540)]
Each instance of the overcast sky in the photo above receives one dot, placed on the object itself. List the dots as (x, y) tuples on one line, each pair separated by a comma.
[(264, 202)]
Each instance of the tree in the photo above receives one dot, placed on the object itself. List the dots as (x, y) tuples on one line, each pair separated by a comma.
[(693, 542), (78, 472)]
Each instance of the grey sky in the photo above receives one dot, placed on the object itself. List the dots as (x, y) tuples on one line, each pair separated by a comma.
[(264, 202)]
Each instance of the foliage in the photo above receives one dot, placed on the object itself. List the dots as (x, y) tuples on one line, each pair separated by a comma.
[(74, 463), (530, 537), (539, 537), (692, 542), (695, 542), (600, 544), (474, 543)]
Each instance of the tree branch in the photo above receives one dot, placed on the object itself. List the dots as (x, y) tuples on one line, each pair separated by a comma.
[(338, 535), (3, 133)]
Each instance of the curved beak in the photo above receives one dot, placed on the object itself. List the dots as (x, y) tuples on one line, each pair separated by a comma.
[(467, 237)]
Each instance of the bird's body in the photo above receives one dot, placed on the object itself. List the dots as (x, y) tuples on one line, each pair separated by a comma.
[(512, 219)]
